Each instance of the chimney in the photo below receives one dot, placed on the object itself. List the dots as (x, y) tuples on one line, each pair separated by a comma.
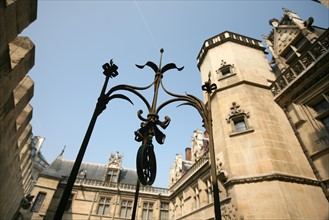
[(188, 154)]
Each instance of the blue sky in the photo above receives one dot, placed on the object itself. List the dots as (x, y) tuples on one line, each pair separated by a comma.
[(75, 38)]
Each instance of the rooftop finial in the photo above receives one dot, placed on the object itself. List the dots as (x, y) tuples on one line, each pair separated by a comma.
[(161, 52)]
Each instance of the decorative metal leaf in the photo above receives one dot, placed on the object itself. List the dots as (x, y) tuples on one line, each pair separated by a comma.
[(120, 96), (150, 64), (171, 66), (159, 135)]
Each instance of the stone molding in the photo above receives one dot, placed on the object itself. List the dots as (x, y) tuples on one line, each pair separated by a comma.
[(272, 177)]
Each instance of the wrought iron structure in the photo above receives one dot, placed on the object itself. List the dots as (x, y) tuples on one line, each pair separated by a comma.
[(146, 160)]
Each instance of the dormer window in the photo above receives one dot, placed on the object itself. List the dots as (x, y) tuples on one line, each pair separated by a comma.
[(112, 175), (225, 70), (82, 174)]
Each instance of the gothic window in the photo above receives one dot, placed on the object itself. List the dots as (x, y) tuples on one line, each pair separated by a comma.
[(126, 207), (164, 211), (68, 206), (225, 70), (238, 119), (103, 207), (147, 211), (38, 202)]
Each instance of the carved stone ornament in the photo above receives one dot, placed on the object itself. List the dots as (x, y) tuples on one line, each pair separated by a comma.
[(223, 65), (223, 174), (115, 161), (236, 111)]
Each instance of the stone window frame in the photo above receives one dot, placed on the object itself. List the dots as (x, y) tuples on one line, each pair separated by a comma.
[(149, 210), (164, 210), (225, 70), (113, 175), (196, 197), (209, 191), (40, 198), (238, 115), (103, 204), (320, 109), (125, 208)]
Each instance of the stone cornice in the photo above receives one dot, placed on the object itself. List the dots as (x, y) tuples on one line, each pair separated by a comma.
[(272, 177), (225, 37)]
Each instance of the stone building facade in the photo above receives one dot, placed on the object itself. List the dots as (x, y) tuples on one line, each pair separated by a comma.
[(257, 142), (270, 127), (101, 191), (16, 90)]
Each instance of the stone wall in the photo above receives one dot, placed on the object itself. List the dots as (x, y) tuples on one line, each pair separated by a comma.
[(16, 90)]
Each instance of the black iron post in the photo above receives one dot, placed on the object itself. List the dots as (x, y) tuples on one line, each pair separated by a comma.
[(110, 70), (208, 87)]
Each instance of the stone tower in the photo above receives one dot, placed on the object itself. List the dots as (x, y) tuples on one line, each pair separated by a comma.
[(267, 173)]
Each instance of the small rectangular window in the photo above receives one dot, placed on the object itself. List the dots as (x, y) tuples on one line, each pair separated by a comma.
[(226, 71), (240, 125), (38, 202)]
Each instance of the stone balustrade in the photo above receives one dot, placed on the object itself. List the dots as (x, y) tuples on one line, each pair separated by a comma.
[(120, 186)]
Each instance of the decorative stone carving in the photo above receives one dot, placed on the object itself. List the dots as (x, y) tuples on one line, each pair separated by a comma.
[(236, 111), (222, 173), (298, 68), (225, 69), (307, 60), (115, 161), (289, 75), (317, 50), (230, 211)]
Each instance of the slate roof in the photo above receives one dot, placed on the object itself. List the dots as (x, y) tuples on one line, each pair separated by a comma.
[(61, 168)]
